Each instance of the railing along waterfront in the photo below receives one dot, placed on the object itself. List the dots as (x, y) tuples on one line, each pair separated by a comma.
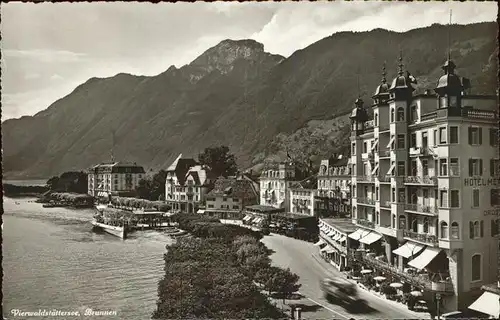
[(419, 280), (427, 238), (421, 208)]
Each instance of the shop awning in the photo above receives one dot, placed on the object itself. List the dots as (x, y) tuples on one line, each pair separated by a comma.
[(331, 250), (342, 239), (326, 248), (331, 233), (255, 219), (408, 249), (320, 242), (422, 260), (336, 237), (246, 218), (324, 229), (358, 234), (487, 303), (370, 238)]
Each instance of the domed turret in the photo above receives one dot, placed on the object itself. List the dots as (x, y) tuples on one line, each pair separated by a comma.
[(449, 87), (358, 117), (402, 85), (382, 91)]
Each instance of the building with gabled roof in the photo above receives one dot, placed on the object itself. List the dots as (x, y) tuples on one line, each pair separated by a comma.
[(114, 178), (186, 184)]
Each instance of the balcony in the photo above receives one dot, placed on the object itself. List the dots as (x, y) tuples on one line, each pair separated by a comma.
[(425, 180), (422, 208), (428, 116), (365, 178), (367, 156), (384, 178), (421, 237), (369, 124), (419, 280), (366, 201), (415, 152), (479, 114), (385, 204), (385, 154), (366, 223)]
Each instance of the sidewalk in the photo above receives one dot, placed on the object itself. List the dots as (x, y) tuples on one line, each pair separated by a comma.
[(402, 307)]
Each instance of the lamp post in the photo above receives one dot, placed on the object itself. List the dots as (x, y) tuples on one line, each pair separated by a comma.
[(438, 302)]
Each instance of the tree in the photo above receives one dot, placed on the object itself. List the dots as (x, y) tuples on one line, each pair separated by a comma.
[(284, 282), (143, 189), (52, 183), (219, 161), (158, 185)]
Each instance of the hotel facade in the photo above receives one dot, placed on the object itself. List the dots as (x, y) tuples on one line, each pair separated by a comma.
[(333, 198), (116, 179), (276, 180), (424, 185)]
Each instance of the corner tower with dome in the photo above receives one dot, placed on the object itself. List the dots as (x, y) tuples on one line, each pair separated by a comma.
[(425, 186)]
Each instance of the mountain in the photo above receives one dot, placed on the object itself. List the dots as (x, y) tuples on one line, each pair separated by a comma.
[(235, 93)]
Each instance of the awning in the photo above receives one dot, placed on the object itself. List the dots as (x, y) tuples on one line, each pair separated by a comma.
[(336, 237), (320, 224), (391, 141), (375, 169), (391, 169), (331, 233), (408, 249), (331, 250), (424, 258), (370, 238), (342, 239), (324, 229), (259, 220), (358, 234), (246, 218), (326, 248), (255, 219), (320, 242), (200, 211), (487, 303)]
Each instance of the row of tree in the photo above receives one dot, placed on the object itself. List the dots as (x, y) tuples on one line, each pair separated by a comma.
[(218, 160), (72, 181), (214, 274)]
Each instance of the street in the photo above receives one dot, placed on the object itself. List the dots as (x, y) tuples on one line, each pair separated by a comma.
[(303, 258)]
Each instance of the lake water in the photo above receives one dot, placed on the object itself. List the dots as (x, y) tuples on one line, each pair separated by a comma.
[(53, 260), (26, 182)]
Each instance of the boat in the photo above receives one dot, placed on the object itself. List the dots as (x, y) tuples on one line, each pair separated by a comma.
[(116, 222)]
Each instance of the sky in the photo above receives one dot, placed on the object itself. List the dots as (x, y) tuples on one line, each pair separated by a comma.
[(49, 49)]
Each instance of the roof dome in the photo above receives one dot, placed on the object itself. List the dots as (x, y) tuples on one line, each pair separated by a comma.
[(383, 87), (403, 81), (449, 80), (359, 112)]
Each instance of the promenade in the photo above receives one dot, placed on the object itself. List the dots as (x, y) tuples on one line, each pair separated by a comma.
[(303, 259)]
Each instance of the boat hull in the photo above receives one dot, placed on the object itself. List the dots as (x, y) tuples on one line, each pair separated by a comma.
[(119, 232)]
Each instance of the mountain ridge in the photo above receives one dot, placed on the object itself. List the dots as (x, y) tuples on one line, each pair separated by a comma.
[(240, 96)]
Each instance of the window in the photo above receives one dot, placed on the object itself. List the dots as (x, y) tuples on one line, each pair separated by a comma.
[(401, 195), (394, 221), (235, 199), (495, 197), (475, 198), (365, 147), (401, 141), (236, 207), (494, 227), (425, 141), (494, 167), (402, 222), (414, 116), (493, 137), (401, 168), (443, 102), (471, 230), (426, 225), (454, 135), (475, 167), (413, 168), (444, 230), (435, 140), (353, 151), (454, 167), (475, 135), (377, 217), (392, 114), (442, 135), (414, 225), (376, 193), (454, 230), (401, 114), (354, 212), (366, 192), (443, 167), (224, 199), (443, 198), (413, 140), (210, 206), (393, 195), (481, 224), (376, 119), (476, 267), (454, 198), (425, 167)]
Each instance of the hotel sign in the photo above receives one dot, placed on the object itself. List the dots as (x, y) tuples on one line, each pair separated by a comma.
[(480, 182), (492, 212)]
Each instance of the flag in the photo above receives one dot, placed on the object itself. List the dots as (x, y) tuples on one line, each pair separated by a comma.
[(412, 78), (466, 83)]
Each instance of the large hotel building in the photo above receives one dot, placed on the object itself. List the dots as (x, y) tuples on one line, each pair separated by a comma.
[(424, 187)]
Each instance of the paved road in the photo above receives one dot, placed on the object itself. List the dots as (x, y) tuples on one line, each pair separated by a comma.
[(303, 259)]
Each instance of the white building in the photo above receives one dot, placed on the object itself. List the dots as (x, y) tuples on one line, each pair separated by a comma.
[(334, 187), (116, 178), (423, 184), (302, 200), (275, 182), (186, 185)]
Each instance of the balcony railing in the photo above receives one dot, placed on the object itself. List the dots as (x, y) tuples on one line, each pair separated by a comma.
[(427, 238), (416, 151), (385, 204), (365, 178), (420, 280), (427, 180), (385, 153), (428, 116), (366, 223), (366, 201), (369, 124), (384, 178), (479, 114), (421, 208)]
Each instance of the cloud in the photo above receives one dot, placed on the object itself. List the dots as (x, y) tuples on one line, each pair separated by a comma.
[(46, 56)]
